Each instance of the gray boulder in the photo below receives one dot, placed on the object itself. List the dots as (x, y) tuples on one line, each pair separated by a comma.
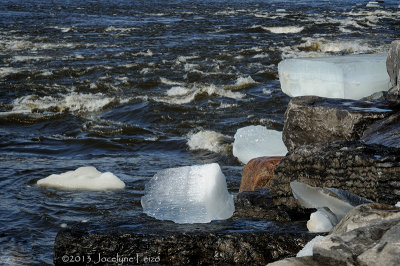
[(370, 171), (393, 69), (368, 235), (312, 119)]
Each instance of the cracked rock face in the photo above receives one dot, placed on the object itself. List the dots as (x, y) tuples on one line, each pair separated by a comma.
[(370, 171), (393, 69), (384, 132), (312, 119)]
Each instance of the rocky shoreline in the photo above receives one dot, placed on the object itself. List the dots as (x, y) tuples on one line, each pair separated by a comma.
[(346, 144)]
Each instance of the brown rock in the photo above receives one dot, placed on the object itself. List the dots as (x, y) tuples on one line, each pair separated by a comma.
[(258, 173)]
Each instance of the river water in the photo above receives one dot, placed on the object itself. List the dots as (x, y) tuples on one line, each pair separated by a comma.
[(124, 85)]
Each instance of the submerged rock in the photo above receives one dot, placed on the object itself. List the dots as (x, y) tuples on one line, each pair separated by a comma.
[(220, 242), (312, 119), (258, 173), (370, 171)]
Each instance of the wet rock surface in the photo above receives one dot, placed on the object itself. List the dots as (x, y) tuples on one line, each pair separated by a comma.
[(370, 171), (384, 132), (312, 119), (258, 204), (234, 241), (393, 69), (258, 173)]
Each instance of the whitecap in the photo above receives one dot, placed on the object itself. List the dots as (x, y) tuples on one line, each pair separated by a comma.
[(207, 140), (73, 102)]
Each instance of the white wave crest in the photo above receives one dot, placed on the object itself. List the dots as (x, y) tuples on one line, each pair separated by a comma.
[(73, 102), (207, 140), (281, 30), (183, 95), (241, 83)]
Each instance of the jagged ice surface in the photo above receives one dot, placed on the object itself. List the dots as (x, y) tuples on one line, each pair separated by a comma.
[(189, 194), (348, 77), (256, 141), (85, 178)]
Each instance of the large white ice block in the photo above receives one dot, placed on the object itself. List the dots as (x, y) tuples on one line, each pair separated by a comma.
[(87, 178), (347, 77), (189, 194), (256, 141)]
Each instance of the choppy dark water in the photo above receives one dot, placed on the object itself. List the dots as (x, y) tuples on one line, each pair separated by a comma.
[(122, 85)]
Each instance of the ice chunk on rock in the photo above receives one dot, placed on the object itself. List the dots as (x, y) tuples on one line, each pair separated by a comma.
[(347, 77), (308, 248), (257, 141), (323, 220), (332, 204), (189, 194), (85, 178)]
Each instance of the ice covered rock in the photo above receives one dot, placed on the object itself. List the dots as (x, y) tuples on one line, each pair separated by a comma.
[(85, 178), (347, 77), (189, 194), (257, 141)]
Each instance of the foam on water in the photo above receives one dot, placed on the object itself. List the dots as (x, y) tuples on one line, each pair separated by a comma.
[(73, 102), (182, 95), (171, 82), (5, 71), (317, 47), (207, 140), (284, 30), (83, 178), (241, 83)]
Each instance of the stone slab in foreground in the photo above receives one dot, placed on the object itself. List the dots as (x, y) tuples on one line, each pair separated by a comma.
[(220, 242)]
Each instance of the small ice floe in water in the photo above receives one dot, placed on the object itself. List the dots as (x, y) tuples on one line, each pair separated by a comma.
[(308, 248), (189, 194), (256, 141), (83, 178), (332, 204)]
